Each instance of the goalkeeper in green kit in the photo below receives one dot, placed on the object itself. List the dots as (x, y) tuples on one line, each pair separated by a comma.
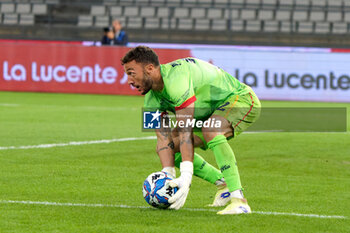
[(210, 107)]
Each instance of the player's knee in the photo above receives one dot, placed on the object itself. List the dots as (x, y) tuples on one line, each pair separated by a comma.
[(211, 132), (209, 135)]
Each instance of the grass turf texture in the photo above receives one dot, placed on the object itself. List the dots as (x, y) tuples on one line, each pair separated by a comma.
[(304, 173)]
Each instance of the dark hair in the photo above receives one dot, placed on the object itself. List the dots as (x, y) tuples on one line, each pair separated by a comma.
[(141, 54), (107, 29)]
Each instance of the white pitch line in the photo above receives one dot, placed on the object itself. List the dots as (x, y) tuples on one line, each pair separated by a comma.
[(106, 141), (75, 107), (88, 107), (8, 105), (145, 207), (300, 215), (76, 143)]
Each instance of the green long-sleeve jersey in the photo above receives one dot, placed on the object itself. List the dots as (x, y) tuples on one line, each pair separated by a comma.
[(191, 80)]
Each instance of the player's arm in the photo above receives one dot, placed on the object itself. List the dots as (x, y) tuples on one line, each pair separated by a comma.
[(165, 148), (187, 149), (186, 133), (165, 143), (183, 96)]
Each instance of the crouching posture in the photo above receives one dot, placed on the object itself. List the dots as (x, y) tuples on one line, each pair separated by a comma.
[(210, 107)]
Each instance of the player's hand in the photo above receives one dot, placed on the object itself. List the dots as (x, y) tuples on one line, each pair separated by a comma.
[(183, 183), (179, 199)]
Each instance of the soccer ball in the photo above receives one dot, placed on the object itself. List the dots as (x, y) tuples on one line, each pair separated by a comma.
[(155, 191)]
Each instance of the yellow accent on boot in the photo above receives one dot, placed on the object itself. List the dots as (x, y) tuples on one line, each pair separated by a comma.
[(222, 196), (237, 206)]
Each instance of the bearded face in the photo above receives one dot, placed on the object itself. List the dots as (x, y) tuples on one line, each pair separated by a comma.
[(146, 83), (138, 77)]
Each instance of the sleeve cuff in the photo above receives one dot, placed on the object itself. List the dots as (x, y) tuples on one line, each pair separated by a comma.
[(188, 102)]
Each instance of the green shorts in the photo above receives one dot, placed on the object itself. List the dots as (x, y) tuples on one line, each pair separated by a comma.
[(240, 110)]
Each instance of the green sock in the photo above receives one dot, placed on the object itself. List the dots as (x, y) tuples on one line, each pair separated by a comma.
[(201, 168), (226, 161)]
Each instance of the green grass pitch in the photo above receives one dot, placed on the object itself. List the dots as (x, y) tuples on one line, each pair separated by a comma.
[(302, 173)]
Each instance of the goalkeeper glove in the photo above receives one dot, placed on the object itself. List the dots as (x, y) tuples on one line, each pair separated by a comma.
[(171, 171), (183, 183)]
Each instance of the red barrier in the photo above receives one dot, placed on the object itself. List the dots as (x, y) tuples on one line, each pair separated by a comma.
[(68, 68)]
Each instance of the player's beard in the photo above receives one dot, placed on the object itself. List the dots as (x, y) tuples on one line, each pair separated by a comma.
[(146, 83)]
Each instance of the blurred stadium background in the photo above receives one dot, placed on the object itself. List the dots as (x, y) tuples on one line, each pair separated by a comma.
[(75, 162), (276, 22)]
